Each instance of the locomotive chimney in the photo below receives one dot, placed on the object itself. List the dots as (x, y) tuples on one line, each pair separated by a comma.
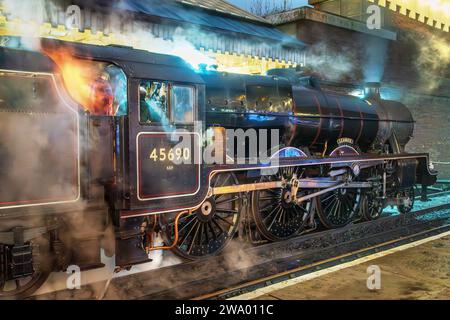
[(372, 90)]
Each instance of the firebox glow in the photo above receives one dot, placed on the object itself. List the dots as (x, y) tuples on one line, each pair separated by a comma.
[(78, 75), (100, 89)]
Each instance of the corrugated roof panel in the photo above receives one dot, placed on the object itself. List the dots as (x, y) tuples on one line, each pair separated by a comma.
[(175, 10)]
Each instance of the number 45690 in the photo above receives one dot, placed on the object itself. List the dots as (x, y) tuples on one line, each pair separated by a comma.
[(163, 154)]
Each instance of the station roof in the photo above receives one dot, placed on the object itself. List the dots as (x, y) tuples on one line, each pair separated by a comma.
[(307, 13), (216, 14), (224, 7)]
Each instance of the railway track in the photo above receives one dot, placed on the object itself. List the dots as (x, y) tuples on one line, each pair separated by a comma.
[(240, 291), (308, 261), (249, 268)]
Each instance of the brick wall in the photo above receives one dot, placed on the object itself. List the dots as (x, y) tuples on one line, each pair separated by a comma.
[(432, 129), (335, 41), (401, 67)]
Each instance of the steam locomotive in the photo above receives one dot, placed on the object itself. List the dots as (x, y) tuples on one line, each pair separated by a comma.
[(103, 148)]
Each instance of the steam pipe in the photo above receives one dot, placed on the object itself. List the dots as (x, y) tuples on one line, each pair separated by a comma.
[(175, 241)]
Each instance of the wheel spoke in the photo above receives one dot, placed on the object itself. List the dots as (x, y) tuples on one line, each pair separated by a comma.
[(224, 220), (185, 218), (206, 233), (224, 182), (330, 204), (212, 230), (333, 208), (229, 211), (189, 233), (269, 207), (201, 234), (287, 216), (274, 219), (329, 197), (187, 224), (227, 201), (281, 215), (271, 213), (219, 226), (193, 238), (338, 209)]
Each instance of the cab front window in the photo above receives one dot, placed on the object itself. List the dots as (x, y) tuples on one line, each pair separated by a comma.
[(153, 102), (182, 104)]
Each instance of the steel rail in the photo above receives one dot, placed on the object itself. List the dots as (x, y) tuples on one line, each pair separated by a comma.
[(266, 281)]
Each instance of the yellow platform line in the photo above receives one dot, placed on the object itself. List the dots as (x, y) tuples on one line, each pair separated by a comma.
[(287, 283)]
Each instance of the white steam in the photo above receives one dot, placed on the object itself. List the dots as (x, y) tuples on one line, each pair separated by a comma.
[(375, 59), (179, 45), (433, 61), (32, 13), (329, 62), (25, 10)]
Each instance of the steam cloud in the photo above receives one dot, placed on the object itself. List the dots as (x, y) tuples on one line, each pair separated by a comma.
[(179, 46), (433, 61), (375, 53), (26, 10), (140, 35), (32, 11), (329, 63)]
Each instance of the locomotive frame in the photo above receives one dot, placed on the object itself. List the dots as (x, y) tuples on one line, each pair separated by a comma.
[(110, 195)]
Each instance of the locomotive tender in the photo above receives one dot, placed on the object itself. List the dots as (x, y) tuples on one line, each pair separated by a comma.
[(97, 169)]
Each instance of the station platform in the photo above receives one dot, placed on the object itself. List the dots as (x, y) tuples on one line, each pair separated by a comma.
[(419, 270)]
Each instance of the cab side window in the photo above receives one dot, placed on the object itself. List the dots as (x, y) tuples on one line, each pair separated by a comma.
[(153, 102), (182, 104)]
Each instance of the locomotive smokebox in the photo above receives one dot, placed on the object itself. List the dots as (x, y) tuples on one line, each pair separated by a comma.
[(372, 90), (395, 121)]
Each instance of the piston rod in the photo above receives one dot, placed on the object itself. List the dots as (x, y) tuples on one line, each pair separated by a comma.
[(347, 185), (319, 183), (248, 187)]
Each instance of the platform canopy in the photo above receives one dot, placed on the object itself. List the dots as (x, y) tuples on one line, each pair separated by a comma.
[(227, 18), (216, 14), (235, 36), (236, 39)]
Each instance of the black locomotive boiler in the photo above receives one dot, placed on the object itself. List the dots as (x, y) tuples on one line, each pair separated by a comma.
[(103, 147)]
